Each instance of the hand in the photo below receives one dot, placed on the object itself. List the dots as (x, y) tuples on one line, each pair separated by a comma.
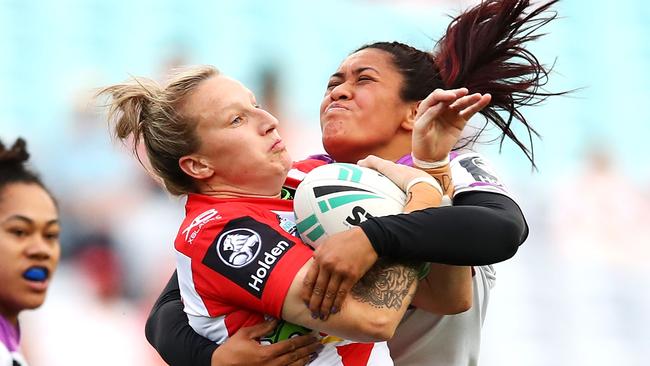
[(339, 262), (401, 175), (440, 120), (243, 348)]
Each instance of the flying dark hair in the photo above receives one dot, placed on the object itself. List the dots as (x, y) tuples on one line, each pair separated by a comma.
[(483, 49)]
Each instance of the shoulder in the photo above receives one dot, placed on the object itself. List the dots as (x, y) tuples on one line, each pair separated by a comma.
[(299, 170), (308, 164), (242, 240), (205, 221), (8, 358), (5, 356)]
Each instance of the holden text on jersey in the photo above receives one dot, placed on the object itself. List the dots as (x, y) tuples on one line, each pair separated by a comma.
[(265, 264)]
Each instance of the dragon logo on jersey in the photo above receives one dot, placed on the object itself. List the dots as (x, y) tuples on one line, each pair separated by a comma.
[(238, 247), (246, 253)]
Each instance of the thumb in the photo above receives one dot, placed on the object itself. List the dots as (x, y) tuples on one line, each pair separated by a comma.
[(370, 161), (259, 330)]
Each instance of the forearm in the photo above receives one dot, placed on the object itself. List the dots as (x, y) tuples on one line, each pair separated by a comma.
[(481, 228), (446, 289), (169, 332), (370, 313)]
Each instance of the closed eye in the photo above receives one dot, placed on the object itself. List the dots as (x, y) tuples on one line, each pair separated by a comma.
[(19, 233), (237, 120), (52, 236), (332, 84)]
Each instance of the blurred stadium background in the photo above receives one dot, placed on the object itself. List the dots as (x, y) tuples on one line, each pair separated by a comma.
[(577, 293)]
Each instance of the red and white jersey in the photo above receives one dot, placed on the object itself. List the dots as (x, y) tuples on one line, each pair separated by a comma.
[(236, 260)]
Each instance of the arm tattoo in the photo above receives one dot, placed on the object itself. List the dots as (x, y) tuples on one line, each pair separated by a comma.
[(385, 285)]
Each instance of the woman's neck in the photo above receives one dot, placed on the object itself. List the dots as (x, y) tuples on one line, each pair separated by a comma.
[(238, 195), (236, 192), (11, 317)]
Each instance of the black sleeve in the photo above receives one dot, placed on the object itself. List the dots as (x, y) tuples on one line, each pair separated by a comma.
[(480, 228), (169, 332)]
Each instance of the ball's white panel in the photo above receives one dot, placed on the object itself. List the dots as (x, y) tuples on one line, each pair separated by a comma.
[(335, 197)]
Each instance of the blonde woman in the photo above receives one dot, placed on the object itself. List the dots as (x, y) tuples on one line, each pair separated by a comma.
[(207, 138)]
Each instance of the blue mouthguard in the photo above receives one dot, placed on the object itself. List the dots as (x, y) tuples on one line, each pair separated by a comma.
[(35, 274)]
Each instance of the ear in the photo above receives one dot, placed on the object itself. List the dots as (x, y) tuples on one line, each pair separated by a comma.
[(196, 167), (410, 118)]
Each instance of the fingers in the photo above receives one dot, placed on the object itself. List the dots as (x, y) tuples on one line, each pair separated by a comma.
[(464, 102), (344, 289), (383, 166), (482, 102), (440, 95), (291, 345), (259, 330), (372, 162), (302, 361), (318, 293), (295, 351), (303, 356), (308, 282), (330, 294), (398, 174), (465, 107)]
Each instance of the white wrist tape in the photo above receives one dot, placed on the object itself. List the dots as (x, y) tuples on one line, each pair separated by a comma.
[(429, 164), (429, 180)]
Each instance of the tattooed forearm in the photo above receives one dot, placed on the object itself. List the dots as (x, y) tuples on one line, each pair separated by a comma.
[(385, 285)]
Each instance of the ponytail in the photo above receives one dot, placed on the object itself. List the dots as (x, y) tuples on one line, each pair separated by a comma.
[(484, 50), (142, 109), (130, 105)]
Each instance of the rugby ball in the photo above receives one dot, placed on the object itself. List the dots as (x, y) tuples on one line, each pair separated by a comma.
[(335, 197)]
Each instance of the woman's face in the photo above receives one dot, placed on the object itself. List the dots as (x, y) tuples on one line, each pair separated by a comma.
[(239, 140), (362, 112), (29, 246)]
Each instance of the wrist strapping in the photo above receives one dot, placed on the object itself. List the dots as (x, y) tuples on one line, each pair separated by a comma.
[(429, 180), (430, 164)]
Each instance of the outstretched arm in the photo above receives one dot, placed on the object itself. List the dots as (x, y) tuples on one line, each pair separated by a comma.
[(493, 227)]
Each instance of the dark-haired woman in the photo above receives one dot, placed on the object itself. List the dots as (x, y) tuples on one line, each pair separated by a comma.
[(368, 108), (29, 246)]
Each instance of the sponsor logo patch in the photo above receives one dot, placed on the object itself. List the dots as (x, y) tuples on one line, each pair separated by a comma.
[(246, 252), (193, 229)]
